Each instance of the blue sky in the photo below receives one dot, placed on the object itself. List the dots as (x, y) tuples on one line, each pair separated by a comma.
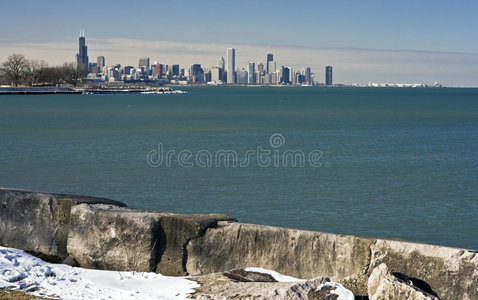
[(430, 26)]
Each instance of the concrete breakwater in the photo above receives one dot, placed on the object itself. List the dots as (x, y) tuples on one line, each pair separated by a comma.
[(105, 234)]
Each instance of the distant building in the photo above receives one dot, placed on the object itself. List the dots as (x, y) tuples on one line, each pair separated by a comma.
[(216, 73), (284, 75), (144, 66), (129, 70), (175, 70), (328, 75), (251, 73), (241, 76), (260, 68), (93, 68), (100, 62), (222, 69), (231, 65), (270, 58), (196, 73), (158, 70), (308, 76), (271, 67), (82, 55)]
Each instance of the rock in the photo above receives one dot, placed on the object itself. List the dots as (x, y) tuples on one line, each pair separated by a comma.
[(224, 286), (382, 284), (450, 273), (298, 253), (114, 238), (38, 222), (176, 231)]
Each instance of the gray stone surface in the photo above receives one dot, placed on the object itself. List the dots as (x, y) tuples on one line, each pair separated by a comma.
[(298, 253), (238, 284), (450, 273), (447, 272), (382, 284), (38, 222), (114, 238), (176, 232)]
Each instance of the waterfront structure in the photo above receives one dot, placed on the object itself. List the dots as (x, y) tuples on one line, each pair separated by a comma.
[(231, 65), (328, 75), (82, 55), (251, 72)]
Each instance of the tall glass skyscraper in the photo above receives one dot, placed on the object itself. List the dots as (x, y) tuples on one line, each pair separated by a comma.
[(328, 75), (270, 58), (251, 72), (231, 65), (82, 55)]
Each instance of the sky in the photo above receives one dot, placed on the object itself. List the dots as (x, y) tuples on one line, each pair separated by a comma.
[(380, 41)]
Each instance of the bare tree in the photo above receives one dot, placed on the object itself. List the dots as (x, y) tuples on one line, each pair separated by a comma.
[(51, 75), (72, 73), (13, 68), (33, 70)]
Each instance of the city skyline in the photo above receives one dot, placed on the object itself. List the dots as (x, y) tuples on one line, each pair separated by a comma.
[(367, 41)]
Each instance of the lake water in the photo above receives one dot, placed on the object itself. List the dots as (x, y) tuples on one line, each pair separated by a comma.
[(393, 163)]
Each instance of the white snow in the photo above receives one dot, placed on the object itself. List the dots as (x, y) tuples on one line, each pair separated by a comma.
[(343, 293), (277, 276), (21, 271)]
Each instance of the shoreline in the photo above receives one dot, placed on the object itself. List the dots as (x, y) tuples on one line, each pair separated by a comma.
[(99, 233), (88, 91)]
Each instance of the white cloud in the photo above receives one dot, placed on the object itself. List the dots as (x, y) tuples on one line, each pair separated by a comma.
[(350, 65)]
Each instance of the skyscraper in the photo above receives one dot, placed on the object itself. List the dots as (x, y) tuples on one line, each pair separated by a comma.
[(328, 75), (308, 76), (260, 68), (270, 58), (271, 67), (100, 62), (144, 64), (284, 75), (222, 69), (231, 65), (221, 64), (82, 55), (251, 72), (175, 69)]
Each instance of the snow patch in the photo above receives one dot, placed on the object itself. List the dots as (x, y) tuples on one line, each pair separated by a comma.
[(277, 276), (343, 293), (22, 271)]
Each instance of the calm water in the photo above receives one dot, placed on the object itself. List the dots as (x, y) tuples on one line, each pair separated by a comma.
[(396, 163)]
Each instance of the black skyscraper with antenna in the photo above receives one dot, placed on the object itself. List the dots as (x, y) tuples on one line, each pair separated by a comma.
[(82, 55)]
